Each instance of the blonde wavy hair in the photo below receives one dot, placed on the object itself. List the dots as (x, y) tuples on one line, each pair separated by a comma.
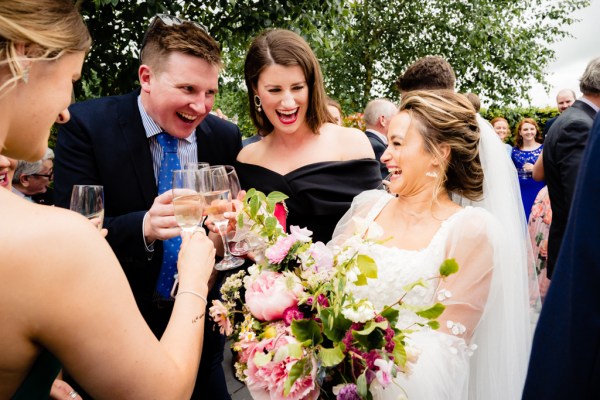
[(46, 28), (447, 118)]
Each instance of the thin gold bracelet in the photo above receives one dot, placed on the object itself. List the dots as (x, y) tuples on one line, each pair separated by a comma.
[(193, 293)]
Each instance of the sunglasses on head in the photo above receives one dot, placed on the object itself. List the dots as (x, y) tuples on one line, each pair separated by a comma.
[(170, 20)]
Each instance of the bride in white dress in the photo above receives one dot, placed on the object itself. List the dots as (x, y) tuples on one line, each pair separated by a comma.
[(434, 152)]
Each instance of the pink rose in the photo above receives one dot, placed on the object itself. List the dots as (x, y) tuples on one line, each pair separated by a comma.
[(276, 253), (268, 295), (268, 381), (218, 312)]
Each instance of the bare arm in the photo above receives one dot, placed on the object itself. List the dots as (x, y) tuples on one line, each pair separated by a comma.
[(76, 302), (538, 168)]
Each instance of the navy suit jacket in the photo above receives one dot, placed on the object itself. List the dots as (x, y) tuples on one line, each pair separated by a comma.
[(565, 358), (105, 143), (563, 149), (378, 147)]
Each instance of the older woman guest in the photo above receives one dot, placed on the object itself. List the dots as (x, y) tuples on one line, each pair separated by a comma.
[(68, 302), (319, 165)]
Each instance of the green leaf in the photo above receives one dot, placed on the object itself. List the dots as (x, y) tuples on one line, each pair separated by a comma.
[(262, 359), (367, 266), (391, 314), (361, 386), (254, 206), (370, 327), (399, 352), (336, 326), (240, 220), (433, 312), (361, 280), (448, 267), (276, 197), (331, 357), (307, 330), (434, 324), (296, 372)]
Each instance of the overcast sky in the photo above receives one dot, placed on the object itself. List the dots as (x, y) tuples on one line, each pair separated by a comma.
[(572, 55)]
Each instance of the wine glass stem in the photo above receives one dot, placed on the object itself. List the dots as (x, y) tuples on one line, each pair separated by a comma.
[(222, 227)]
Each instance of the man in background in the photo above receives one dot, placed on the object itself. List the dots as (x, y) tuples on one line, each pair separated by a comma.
[(377, 116), (564, 99)]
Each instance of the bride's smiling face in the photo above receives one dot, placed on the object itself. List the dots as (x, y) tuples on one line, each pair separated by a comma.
[(406, 158)]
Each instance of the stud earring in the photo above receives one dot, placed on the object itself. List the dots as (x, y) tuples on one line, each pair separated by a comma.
[(431, 174), (257, 103)]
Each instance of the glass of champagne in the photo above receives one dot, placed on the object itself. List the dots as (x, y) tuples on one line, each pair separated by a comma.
[(218, 200), (188, 201), (239, 247), (196, 165), (88, 200)]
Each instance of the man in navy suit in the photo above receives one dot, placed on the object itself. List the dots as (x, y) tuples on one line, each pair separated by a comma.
[(565, 358), (113, 142), (563, 149), (378, 114)]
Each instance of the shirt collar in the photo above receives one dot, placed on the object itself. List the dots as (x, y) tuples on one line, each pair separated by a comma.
[(379, 135), (589, 103)]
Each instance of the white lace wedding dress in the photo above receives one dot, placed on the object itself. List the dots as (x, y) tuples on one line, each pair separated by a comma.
[(445, 368)]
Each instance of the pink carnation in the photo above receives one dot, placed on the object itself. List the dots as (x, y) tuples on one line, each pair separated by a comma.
[(218, 312), (268, 295), (276, 253), (268, 381)]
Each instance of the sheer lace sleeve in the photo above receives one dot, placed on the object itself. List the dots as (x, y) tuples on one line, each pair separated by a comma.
[(362, 212), (470, 242)]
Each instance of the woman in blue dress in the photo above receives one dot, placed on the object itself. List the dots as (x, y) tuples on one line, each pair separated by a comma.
[(528, 147)]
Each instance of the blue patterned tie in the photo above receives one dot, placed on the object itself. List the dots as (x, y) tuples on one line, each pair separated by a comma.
[(168, 164)]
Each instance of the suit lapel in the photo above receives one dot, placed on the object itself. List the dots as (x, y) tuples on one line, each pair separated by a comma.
[(136, 144)]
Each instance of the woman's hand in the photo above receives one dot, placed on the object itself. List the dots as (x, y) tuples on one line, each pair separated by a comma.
[(61, 390), (196, 257)]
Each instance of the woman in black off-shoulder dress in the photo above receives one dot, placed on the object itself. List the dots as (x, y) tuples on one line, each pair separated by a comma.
[(319, 165)]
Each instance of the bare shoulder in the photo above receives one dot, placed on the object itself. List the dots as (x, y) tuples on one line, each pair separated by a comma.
[(354, 143), (251, 153)]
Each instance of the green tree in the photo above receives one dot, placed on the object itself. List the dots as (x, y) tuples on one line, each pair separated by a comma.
[(495, 46)]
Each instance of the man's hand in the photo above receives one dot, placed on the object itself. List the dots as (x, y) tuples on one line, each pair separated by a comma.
[(160, 220)]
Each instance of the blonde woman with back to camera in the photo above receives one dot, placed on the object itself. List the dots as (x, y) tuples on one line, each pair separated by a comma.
[(63, 296)]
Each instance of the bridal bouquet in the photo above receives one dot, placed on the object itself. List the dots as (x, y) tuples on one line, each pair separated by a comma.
[(297, 329)]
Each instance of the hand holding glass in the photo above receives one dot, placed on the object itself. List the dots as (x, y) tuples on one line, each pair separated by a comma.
[(218, 200), (88, 200), (188, 202)]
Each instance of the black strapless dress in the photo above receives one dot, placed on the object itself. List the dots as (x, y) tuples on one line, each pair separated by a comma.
[(319, 193)]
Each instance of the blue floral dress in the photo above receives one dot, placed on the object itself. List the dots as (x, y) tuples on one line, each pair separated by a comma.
[(529, 187)]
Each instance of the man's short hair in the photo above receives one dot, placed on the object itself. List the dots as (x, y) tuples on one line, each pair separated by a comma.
[(378, 107), (186, 37), (427, 73), (590, 81)]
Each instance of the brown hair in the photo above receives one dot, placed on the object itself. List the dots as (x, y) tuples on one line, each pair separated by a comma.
[(519, 138), (446, 118), (47, 28), (283, 47), (496, 119), (186, 37), (427, 73)]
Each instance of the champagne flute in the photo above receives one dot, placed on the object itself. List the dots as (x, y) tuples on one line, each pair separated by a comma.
[(239, 247), (218, 200), (188, 202), (197, 166), (88, 200)]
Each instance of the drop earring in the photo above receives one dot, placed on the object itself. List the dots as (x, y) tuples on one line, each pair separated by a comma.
[(431, 174), (25, 75), (257, 103)]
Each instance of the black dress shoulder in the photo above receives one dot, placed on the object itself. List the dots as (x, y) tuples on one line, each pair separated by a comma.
[(319, 193)]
